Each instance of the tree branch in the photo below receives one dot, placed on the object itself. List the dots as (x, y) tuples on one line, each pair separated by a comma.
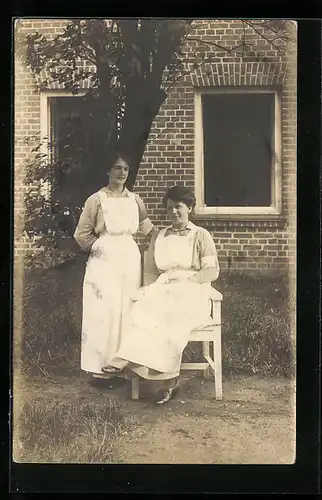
[(162, 131), (244, 38), (268, 26), (91, 57), (214, 44), (249, 23), (186, 73)]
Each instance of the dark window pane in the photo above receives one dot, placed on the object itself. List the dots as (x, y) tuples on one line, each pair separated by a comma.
[(67, 134), (238, 148)]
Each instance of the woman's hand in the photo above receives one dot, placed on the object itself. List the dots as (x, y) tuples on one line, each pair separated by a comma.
[(194, 278), (176, 276), (167, 278), (175, 279)]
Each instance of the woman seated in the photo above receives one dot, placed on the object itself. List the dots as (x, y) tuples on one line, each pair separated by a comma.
[(180, 266)]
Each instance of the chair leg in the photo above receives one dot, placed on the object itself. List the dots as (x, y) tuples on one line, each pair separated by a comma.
[(135, 388), (218, 366), (206, 352)]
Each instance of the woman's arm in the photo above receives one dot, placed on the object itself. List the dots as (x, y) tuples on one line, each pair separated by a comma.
[(145, 223), (209, 261), (85, 230), (150, 270)]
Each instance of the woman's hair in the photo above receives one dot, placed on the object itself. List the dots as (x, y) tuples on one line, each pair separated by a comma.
[(117, 155), (180, 194)]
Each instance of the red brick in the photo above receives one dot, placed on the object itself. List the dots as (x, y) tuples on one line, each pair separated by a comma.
[(243, 235), (231, 247)]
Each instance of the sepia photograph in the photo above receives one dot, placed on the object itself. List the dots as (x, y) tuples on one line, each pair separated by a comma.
[(155, 215)]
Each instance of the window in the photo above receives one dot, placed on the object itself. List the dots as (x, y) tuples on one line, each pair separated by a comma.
[(237, 151), (61, 129), (61, 125)]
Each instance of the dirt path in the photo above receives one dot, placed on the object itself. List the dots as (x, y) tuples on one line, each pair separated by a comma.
[(254, 423)]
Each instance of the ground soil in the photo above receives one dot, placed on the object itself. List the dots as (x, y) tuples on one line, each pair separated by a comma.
[(253, 424)]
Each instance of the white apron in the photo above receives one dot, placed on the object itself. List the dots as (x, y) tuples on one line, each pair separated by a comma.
[(161, 320), (113, 274)]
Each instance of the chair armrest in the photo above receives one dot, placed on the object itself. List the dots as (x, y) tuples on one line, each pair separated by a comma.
[(215, 295)]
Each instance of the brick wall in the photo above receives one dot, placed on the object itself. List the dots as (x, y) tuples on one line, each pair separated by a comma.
[(26, 125), (243, 243)]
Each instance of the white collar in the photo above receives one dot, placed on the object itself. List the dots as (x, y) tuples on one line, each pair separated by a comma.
[(125, 192), (190, 225)]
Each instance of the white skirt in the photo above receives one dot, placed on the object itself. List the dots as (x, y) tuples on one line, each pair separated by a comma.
[(159, 327), (113, 274)]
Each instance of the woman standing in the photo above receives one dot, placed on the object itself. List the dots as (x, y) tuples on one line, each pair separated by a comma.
[(113, 271), (181, 264)]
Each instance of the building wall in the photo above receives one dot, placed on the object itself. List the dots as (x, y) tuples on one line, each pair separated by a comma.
[(243, 242), (26, 124)]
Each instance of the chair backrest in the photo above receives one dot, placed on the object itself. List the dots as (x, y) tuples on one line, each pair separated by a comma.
[(145, 255)]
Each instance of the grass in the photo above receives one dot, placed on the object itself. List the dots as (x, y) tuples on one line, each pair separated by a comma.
[(67, 432), (257, 330), (256, 323), (262, 340), (51, 324)]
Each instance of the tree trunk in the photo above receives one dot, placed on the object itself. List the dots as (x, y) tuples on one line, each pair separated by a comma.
[(141, 110)]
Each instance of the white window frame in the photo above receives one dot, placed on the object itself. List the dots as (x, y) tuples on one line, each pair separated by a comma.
[(276, 205), (45, 119)]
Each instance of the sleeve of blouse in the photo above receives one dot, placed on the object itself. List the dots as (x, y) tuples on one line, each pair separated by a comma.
[(209, 261), (150, 270), (85, 230), (145, 224)]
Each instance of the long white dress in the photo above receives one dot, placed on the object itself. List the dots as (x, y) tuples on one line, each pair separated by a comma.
[(161, 319), (113, 274)]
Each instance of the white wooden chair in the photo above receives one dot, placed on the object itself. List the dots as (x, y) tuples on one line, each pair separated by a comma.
[(210, 336)]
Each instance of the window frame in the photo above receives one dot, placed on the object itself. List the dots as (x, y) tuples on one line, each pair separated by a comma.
[(45, 117), (276, 206)]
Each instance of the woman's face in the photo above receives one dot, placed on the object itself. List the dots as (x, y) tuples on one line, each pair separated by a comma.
[(178, 213), (119, 172)]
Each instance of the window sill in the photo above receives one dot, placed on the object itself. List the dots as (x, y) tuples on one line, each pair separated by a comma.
[(250, 220)]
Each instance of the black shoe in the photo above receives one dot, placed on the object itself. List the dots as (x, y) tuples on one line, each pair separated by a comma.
[(111, 370), (166, 395), (106, 383)]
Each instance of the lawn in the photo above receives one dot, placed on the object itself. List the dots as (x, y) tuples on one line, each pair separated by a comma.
[(257, 317), (51, 431)]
